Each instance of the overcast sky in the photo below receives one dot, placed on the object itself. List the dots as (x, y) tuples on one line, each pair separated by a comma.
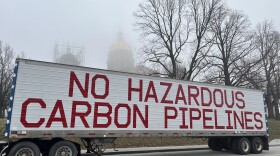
[(34, 26)]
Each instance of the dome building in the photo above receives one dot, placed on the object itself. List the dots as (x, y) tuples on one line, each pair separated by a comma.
[(120, 56), (69, 54), (68, 58)]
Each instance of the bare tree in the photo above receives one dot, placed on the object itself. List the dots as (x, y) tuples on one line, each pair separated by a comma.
[(21, 55), (275, 88), (232, 56), (202, 13), (180, 71), (6, 66), (267, 42), (164, 28)]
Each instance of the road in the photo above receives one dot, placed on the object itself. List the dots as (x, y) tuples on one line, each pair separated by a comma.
[(274, 151)]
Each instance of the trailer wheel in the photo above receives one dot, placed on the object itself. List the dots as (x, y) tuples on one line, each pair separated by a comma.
[(256, 145), (63, 148), (242, 146), (215, 144), (25, 148)]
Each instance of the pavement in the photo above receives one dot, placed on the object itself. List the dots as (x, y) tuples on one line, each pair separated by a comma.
[(275, 142), (139, 150)]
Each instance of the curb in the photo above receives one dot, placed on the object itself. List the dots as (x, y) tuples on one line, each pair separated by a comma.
[(143, 150), (275, 142), (274, 145)]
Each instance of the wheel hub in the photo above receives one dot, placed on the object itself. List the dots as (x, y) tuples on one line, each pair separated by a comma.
[(25, 152), (258, 146), (245, 146), (64, 151)]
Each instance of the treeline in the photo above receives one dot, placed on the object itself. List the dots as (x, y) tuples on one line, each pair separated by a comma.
[(6, 71), (205, 40), (7, 63)]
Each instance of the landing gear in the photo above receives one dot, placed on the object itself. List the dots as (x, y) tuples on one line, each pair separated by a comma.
[(97, 145)]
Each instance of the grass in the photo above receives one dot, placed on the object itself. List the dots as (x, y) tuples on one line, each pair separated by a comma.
[(274, 130), (2, 128), (158, 141)]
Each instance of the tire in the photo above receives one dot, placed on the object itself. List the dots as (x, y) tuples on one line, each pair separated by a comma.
[(67, 147), (242, 146), (25, 148), (227, 147), (215, 144), (256, 145), (226, 142)]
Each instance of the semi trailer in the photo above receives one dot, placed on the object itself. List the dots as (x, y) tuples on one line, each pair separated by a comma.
[(50, 104)]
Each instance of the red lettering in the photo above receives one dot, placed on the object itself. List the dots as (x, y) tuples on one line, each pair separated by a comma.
[(163, 100), (82, 115), (204, 103), (180, 95), (184, 110), (24, 110), (73, 78), (205, 118), (93, 91), (151, 92), (216, 121), (248, 120), (258, 120), (221, 98), (232, 99), (98, 114), (193, 95), (193, 117), (144, 120), (240, 120), (167, 116), (128, 116), (239, 99), (229, 120), (139, 90), (62, 118)]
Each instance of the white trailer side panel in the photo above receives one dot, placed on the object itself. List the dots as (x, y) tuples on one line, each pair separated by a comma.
[(52, 100)]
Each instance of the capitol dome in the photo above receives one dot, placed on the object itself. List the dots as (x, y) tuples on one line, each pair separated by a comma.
[(120, 45), (120, 56), (68, 58)]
